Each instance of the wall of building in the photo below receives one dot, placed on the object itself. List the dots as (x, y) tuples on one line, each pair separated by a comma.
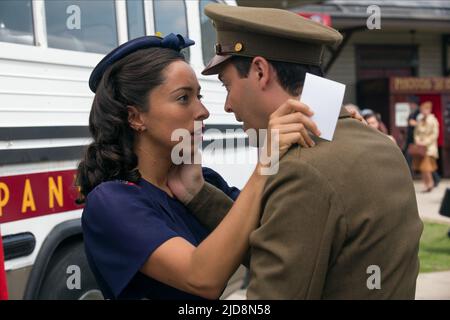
[(429, 51)]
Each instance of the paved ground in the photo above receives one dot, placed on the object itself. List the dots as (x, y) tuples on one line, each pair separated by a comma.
[(434, 285), (429, 203)]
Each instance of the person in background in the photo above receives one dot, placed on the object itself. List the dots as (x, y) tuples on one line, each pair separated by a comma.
[(412, 121), (426, 134), (381, 126), (373, 120)]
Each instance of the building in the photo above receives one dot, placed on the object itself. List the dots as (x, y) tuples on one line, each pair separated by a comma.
[(412, 45)]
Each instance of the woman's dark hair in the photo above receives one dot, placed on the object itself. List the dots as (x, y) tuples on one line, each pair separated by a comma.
[(128, 82), (291, 76)]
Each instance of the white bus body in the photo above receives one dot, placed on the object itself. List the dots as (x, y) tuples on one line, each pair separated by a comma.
[(44, 107)]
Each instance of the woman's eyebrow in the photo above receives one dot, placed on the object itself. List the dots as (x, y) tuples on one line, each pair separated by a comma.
[(187, 88)]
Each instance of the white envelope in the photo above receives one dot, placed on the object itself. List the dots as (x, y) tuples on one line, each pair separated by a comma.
[(325, 98)]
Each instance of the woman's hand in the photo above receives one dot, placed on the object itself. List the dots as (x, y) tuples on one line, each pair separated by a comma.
[(185, 181), (293, 120), (289, 124), (356, 115)]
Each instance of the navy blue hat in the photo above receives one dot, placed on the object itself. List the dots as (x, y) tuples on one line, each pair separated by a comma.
[(171, 41)]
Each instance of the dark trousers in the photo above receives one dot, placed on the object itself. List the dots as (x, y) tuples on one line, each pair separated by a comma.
[(436, 178)]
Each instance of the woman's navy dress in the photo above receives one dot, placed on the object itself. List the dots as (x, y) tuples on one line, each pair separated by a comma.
[(123, 223)]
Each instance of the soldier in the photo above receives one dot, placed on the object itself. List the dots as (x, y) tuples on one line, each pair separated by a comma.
[(338, 221)]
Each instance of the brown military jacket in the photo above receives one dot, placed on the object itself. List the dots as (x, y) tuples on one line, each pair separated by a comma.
[(338, 221)]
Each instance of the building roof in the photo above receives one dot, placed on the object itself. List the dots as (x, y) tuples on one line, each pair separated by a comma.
[(281, 4), (433, 14)]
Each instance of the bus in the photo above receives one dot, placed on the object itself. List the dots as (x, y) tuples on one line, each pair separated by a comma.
[(47, 52)]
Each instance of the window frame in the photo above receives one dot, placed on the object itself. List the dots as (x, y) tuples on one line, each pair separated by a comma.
[(33, 26), (143, 17), (185, 17), (118, 19), (40, 52), (201, 30)]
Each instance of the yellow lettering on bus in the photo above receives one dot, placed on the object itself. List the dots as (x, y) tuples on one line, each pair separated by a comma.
[(55, 192), (28, 199), (5, 198)]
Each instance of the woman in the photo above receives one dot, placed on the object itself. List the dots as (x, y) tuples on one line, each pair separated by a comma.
[(373, 121), (426, 134), (140, 241)]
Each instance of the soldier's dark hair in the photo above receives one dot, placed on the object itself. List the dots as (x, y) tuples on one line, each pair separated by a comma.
[(127, 82), (291, 76)]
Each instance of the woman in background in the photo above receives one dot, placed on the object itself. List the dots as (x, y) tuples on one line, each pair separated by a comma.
[(426, 134), (373, 120)]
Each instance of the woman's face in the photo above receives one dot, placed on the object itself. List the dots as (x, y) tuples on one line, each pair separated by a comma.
[(173, 105), (425, 110), (373, 122)]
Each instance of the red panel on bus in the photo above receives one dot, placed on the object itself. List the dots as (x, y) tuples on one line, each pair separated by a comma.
[(33, 195)]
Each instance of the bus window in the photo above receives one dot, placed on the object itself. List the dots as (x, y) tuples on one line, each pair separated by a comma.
[(135, 18), (81, 25), (170, 17), (208, 33), (16, 22)]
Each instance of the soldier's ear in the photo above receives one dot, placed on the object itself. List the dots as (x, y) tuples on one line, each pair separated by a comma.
[(262, 71)]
